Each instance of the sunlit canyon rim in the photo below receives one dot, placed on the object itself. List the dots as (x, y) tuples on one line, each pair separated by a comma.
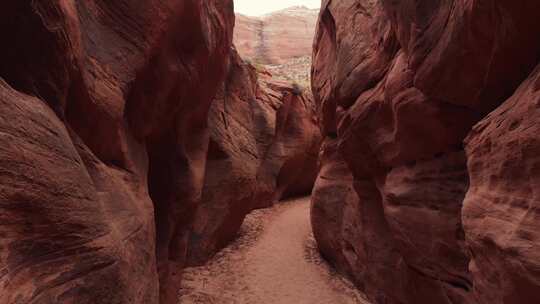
[(135, 139)]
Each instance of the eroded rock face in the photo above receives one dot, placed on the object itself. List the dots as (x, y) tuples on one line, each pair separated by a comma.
[(500, 213), (68, 234), (264, 142), (113, 143), (393, 84)]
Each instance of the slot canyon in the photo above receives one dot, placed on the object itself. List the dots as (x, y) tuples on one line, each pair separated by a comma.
[(363, 152)]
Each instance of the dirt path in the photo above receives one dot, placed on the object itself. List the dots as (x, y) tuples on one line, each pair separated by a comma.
[(273, 262)]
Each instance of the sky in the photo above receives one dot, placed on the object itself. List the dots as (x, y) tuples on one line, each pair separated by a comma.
[(261, 7)]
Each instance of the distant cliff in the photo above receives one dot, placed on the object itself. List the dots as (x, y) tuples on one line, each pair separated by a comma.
[(277, 37)]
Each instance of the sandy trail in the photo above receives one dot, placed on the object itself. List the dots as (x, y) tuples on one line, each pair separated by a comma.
[(274, 261)]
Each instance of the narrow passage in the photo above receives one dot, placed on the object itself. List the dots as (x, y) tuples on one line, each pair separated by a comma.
[(274, 261)]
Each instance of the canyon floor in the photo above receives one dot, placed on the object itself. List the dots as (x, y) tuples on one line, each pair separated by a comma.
[(274, 260)]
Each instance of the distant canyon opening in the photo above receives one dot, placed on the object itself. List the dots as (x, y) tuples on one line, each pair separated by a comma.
[(274, 257), (280, 43)]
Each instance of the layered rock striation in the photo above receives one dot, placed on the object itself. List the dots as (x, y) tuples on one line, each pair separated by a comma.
[(280, 43), (422, 115), (277, 37)]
